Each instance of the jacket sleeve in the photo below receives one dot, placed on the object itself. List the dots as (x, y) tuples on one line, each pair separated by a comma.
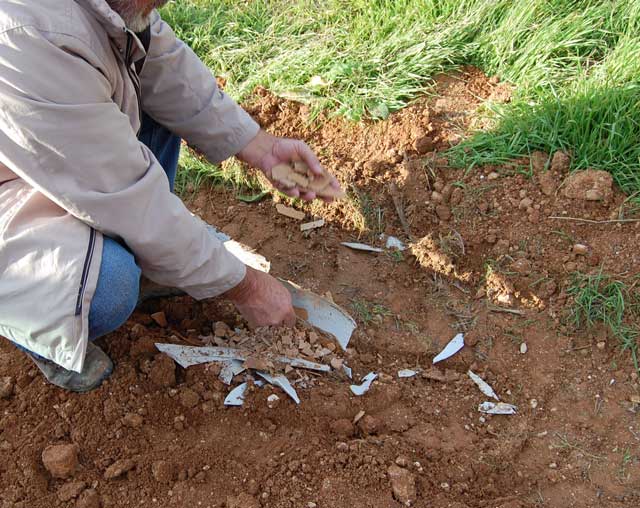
[(61, 132), (180, 92)]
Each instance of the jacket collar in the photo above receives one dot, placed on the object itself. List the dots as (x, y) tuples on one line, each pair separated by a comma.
[(112, 23)]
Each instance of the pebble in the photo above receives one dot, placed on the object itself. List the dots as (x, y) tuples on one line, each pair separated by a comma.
[(580, 249), (60, 460), (133, 420), (533, 403), (436, 197), (118, 468), (402, 461), (160, 319), (523, 348), (272, 401), (493, 176), (7, 385), (525, 203), (403, 485), (601, 345)]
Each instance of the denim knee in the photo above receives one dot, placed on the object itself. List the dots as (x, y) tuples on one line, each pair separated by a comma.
[(117, 291)]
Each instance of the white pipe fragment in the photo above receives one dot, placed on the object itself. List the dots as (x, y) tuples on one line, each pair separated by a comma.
[(230, 369), (455, 345), (497, 408), (395, 243), (282, 382), (406, 373), (312, 225), (366, 384), (362, 246), (236, 396), (483, 385)]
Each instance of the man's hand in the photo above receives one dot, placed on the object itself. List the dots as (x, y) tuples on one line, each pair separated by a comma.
[(262, 300), (266, 151)]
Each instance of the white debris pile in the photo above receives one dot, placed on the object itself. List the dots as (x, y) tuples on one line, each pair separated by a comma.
[(316, 345)]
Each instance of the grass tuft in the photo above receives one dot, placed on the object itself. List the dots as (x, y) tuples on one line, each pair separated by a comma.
[(600, 299)]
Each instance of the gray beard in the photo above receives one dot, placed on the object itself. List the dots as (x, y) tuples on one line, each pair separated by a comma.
[(135, 20)]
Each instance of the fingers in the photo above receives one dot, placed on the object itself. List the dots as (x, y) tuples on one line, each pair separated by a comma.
[(306, 155)]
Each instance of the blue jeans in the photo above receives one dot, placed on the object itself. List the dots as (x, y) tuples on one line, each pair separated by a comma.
[(118, 286)]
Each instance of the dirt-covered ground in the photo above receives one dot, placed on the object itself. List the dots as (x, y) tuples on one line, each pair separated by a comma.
[(159, 435)]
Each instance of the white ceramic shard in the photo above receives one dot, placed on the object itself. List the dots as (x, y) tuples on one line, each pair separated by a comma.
[(497, 408), (361, 246), (282, 382), (363, 388), (483, 385), (455, 345)]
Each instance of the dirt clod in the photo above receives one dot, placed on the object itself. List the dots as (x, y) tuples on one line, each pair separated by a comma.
[(589, 185), (89, 499), (189, 398), (560, 162), (342, 428), (61, 460), (403, 484), (242, 501), (424, 144), (163, 371), (133, 420), (70, 491), (369, 425), (162, 471), (119, 468)]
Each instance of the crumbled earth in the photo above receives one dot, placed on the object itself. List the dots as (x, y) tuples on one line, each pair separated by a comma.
[(492, 255)]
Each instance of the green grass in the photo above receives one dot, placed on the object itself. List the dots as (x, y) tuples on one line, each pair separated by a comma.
[(575, 65), (599, 298)]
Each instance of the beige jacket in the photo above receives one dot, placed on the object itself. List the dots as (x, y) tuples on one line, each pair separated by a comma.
[(72, 169)]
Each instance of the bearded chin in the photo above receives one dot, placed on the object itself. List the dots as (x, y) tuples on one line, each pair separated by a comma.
[(135, 19)]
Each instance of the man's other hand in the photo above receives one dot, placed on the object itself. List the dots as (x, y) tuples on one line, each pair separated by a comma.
[(262, 300), (266, 151)]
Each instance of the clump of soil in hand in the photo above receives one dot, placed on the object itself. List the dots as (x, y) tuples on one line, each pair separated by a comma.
[(299, 175)]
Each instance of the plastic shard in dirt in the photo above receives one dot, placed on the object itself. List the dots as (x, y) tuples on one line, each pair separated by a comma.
[(282, 382), (497, 408), (322, 313), (312, 225), (483, 385), (405, 373), (363, 388), (455, 345), (230, 369), (395, 243), (236, 396), (187, 356), (361, 246)]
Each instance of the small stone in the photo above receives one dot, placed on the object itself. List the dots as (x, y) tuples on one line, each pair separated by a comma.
[(272, 401), (523, 348), (493, 176), (132, 420), (311, 504), (443, 212), (437, 197), (342, 447), (189, 398), (60, 460), (525, 203), (118, 468), (70, 491), (7, 385), (521, 266), (162, 471), (580, 249), (89, 499), (160, 318), (337, 363), (402, 461), (533, 403), (601, 345), (553, 465), (403, 484)]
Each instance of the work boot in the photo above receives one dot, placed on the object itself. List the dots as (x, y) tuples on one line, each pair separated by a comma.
[(97, 367)]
